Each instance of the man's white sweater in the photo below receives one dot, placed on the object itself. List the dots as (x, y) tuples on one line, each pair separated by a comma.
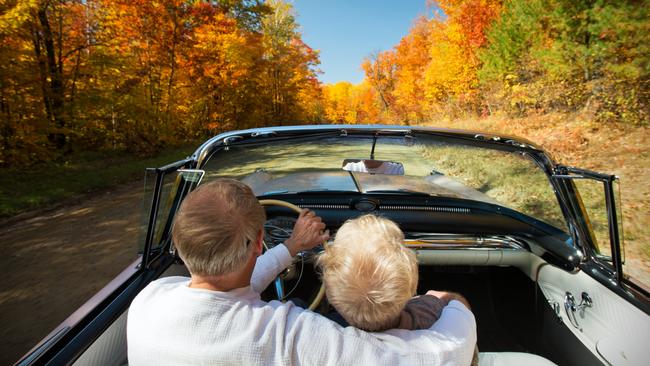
[(170, 323)]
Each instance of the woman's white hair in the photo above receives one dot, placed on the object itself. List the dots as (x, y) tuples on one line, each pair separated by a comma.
[(368, 273), (216, 227)]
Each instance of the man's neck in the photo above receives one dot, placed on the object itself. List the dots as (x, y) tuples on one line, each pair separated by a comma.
[(228, 281), (219, 283)]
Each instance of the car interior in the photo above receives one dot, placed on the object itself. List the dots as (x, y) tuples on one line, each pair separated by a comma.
[(497, 271)]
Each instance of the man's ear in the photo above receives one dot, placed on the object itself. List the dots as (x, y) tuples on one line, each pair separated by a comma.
[(258, 243)]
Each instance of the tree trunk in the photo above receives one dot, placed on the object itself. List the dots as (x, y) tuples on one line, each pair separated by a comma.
[(54, 90), (172, 62), (42, 72)]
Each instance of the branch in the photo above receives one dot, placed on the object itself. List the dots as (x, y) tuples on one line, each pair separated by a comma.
[(79, 48)]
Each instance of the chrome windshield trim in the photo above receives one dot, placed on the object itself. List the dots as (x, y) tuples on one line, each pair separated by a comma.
[(344, 130)]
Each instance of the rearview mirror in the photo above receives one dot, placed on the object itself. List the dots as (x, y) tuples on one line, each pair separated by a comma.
[(373, 166)]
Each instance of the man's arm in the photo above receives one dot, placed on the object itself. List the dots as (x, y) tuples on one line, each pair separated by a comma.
[(307, 233), (313, 339), (268, 266), (421, 312), (447, 296)]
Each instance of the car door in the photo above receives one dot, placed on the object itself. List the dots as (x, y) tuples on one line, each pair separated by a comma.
[(600, 304)]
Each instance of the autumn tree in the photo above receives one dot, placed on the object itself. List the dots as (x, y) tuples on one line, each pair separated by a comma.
[(570, 55), (380, 69), (138, 75), (412, 58), (339, 103), (433, 70), (368, 104), (23, 126), (451, 75), (289, 66)]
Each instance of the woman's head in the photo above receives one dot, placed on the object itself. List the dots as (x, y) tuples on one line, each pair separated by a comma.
[(368, 273)]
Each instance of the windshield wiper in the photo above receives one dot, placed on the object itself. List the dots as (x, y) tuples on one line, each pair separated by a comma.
[(326, 190), (313, 190), (403, 191)]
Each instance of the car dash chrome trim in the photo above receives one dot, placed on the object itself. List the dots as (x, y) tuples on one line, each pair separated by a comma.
[(445, 242)]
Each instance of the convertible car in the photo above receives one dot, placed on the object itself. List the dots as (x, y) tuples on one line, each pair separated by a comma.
[(535, 246)]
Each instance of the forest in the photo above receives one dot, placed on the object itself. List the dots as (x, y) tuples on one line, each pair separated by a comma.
[(138, 75), (478, 58)]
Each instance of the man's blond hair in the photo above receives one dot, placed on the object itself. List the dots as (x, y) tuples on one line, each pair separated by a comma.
[(216, 226), (368, 273)]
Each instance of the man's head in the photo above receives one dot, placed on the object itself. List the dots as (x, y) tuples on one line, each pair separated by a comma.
[(216, 227), (368, 273)]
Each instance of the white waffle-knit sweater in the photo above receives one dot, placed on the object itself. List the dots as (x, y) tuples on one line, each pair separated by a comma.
[(170, 323)]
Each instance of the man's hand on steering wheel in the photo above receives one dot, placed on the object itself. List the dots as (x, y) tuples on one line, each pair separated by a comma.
[(308, 232)]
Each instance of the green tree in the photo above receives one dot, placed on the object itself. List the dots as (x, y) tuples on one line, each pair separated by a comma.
[(510, 39)]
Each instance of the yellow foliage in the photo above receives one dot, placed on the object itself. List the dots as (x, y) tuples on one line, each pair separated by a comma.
[(448, 74), (13, 14), (339, 104)]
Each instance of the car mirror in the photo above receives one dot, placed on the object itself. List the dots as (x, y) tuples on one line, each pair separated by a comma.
[(373, 166)]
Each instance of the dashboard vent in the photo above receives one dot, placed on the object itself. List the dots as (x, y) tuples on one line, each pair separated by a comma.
[(461, 210), (325, 206), (426, 208)]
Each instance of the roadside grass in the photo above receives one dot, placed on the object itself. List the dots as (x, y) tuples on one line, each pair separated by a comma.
[(510, 179), (46, 184)]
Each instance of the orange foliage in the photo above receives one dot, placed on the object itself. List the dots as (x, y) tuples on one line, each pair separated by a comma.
[(380, 69), (473, 16), (412, 57), (434, 66), (139, 74)]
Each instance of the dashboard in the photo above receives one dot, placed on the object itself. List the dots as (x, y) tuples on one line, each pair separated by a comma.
[(441, 234), (442, 231)]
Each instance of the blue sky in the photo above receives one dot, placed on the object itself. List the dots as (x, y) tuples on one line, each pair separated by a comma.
[(347, 31)]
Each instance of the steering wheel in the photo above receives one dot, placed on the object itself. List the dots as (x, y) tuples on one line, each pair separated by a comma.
[(321, 291)]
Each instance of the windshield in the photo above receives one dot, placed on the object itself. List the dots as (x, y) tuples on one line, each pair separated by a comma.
[(431, 167)]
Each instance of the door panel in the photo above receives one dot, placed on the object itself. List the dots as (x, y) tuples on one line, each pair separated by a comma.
[(614, 330)]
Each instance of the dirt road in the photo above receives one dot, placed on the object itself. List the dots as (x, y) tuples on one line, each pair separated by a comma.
[(53, 262)]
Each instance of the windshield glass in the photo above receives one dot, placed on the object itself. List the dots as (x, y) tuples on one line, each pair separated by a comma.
[(431, 167)]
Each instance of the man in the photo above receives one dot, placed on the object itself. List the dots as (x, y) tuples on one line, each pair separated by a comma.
[(217, 317)]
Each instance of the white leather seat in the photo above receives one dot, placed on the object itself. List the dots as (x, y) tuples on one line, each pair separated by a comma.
[(511, 359)]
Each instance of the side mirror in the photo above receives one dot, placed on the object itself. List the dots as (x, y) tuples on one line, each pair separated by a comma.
[(373, 166)]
